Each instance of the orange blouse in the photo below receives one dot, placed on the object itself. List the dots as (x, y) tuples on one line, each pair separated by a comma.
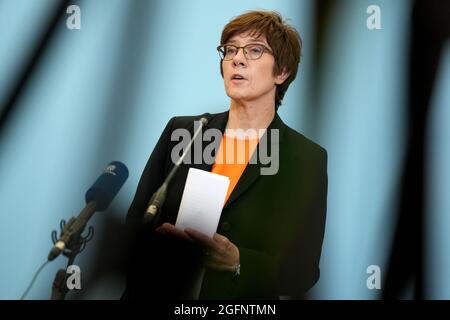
[(232, 158)]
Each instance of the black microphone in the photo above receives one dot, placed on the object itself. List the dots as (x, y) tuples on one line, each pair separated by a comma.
[(98, 198), (158, 198)]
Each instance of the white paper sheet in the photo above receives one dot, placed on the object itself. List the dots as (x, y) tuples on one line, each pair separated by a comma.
[(202, 201)]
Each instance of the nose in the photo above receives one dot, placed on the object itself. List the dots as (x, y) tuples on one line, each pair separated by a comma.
[(239, 59)]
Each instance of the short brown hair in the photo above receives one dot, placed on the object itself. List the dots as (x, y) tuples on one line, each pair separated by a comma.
[(284, 40)]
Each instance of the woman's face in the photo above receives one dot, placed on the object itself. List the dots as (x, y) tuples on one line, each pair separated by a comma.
[(258, 83)]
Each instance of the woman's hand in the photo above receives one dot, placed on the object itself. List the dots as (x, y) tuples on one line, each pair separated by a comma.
[(220, 253)]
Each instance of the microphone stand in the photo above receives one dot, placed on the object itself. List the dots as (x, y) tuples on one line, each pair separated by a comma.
[(75, 245)]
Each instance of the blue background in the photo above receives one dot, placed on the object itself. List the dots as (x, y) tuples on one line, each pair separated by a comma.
[(105, 93)]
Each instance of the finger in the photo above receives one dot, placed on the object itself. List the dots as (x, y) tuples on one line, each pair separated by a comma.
[(160, 230), (170, 229), (214, 258), (217, 266), (222, 240), (202, 238)]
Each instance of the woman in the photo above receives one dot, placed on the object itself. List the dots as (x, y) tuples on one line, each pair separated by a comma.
[(270, 234)]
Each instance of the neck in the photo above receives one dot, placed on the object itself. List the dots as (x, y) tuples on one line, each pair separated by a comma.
[(250, 116)]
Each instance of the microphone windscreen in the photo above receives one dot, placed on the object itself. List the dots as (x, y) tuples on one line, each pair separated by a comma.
[(107, 185)]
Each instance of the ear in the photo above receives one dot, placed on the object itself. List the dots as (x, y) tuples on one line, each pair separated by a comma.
[(279, 79)]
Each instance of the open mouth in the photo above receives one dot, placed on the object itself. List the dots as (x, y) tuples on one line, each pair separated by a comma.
[(237, 78)]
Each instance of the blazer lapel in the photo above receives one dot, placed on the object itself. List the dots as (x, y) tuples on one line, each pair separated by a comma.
[(253, 169)]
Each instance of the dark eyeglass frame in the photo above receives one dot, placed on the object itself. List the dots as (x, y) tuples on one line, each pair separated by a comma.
[(222, 51)]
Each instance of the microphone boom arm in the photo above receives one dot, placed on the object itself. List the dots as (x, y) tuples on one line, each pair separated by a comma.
[(157, 200)]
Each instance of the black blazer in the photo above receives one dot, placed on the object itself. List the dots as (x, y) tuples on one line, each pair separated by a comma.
[(277, 222)]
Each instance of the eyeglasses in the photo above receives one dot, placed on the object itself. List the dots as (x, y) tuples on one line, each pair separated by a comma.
[(252, 51)]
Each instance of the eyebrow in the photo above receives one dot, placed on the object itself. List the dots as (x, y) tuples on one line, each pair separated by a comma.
[(253, 39)]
